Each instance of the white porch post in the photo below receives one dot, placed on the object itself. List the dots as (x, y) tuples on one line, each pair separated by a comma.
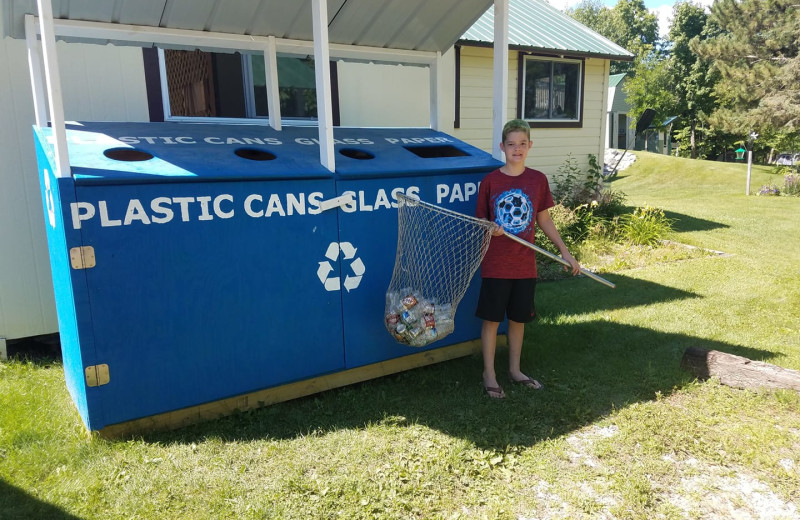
[(500, 89), (273, 92), (435, 85), (322, 70), (54, 95), (36, 71)]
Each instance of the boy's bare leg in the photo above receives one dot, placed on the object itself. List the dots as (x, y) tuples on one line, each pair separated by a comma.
[(489, 346), (516, 331)]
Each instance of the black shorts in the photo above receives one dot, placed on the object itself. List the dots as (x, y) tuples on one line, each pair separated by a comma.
[(500, 297)]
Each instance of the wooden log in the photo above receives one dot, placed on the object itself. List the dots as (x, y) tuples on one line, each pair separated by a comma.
[(738, 371)]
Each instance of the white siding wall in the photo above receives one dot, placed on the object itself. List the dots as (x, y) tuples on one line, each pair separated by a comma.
[(550, 145), (99, 83), (383, 95), (394, 95)]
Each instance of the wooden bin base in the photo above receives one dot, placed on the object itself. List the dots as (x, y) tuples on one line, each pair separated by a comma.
[(215, 410)]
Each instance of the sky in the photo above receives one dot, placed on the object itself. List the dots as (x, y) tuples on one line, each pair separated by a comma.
[(661, 8)]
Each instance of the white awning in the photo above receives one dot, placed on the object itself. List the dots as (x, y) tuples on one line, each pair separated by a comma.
[(404, 31), (420, 25)]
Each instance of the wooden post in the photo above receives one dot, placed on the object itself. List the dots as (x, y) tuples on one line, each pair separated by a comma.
[(737, 371), (749, 170)]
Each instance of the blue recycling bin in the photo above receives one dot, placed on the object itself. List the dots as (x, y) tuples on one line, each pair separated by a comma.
[(194, 262)]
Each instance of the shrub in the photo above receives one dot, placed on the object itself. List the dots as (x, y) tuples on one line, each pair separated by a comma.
[(645, 226), (791, 185), (594, 178), (573, 224), (769, 189), (565, 185), (573, 186), (609, 204)]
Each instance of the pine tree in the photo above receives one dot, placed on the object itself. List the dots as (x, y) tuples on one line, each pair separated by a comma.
[(756, 54)]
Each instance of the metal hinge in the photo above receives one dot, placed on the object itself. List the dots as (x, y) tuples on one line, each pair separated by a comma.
[(82, 257), (97, 375)]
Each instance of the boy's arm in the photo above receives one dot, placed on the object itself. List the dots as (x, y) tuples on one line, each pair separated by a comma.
[(546, 224)]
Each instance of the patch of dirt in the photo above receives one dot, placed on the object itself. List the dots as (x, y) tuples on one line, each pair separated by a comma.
[(702, 490)]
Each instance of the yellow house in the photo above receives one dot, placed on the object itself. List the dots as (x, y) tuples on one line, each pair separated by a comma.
[(558, 82)]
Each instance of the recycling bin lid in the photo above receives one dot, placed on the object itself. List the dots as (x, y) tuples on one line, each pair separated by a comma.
[(400, 152), (133, 153)]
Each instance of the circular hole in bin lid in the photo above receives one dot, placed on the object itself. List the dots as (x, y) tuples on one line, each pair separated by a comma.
[(127, 154), (356, 154), (254, 154)]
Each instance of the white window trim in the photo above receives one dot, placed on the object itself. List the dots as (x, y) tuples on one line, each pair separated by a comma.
[(249, 97)]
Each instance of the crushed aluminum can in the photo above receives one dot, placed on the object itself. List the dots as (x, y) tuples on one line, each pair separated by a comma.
[(413, 333), (430, 321), (409, 301)]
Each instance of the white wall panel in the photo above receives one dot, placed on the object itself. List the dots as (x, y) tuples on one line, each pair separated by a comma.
[(99, 83), (393, 95), (383, 95)]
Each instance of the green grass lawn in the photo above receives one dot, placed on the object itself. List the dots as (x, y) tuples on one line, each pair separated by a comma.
[(620, 431)]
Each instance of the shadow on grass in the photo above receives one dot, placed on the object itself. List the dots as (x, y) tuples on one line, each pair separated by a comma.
[(588, 369), (41, 350), (685, 223), (16, 503)]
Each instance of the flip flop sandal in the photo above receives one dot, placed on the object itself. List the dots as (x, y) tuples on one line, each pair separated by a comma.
[(494, 392), (529, 383)]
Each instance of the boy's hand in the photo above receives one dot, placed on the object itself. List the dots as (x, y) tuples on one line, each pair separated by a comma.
[(497, 230), (576, 267)]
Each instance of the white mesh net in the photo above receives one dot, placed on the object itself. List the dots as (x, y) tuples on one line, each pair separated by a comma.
[(438, 252)]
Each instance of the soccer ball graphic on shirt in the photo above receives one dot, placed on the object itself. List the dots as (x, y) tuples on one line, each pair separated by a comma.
[(513, 211)]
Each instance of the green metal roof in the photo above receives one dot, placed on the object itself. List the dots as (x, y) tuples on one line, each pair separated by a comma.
[(615, 79), (536, 25)]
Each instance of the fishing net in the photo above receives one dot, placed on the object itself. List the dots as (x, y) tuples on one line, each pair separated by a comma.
[(438, 252)]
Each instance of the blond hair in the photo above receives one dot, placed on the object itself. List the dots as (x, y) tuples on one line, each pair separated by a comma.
[(516, 125)]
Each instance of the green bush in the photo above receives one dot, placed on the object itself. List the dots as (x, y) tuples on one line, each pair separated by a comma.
[(574, 186), (645, 226), (609, 204)]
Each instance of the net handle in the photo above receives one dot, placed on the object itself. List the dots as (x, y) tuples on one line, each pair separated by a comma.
[(405, 199), (558, 259)]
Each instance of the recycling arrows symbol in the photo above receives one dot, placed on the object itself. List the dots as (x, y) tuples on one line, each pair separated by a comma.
[(333, 283)]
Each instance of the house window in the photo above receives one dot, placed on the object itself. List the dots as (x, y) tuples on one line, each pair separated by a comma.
[(197, 84), (296, 82), (550, 90)]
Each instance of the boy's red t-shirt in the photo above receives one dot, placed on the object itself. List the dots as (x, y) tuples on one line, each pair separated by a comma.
[(512, 202)]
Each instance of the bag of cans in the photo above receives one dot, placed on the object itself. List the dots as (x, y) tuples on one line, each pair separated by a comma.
[(415, 320)]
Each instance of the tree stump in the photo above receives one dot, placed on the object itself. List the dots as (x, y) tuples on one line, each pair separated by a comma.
[(737, 371)]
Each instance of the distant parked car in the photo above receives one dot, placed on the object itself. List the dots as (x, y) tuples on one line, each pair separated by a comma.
[(787, 159)]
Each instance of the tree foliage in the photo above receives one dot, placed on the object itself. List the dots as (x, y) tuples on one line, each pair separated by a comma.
[(628, 24), (693, 77), (756, 55), (651, 87)]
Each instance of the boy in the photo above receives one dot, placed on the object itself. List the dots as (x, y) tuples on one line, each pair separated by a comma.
[(515, 198)]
